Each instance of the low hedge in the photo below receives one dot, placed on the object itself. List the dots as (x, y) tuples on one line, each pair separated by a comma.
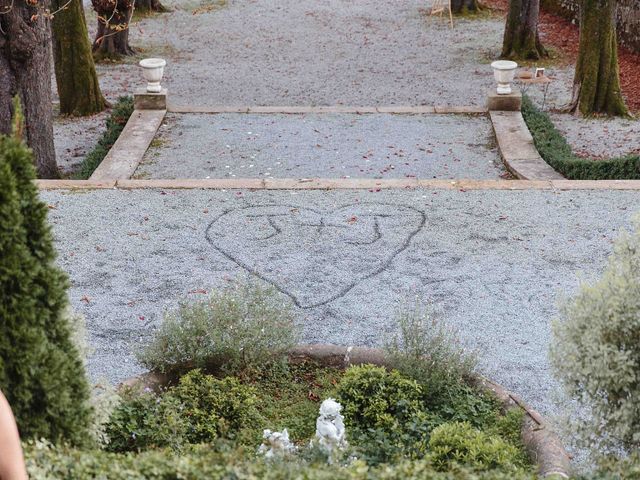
[(206, 461), (555, 150), (118, 118)]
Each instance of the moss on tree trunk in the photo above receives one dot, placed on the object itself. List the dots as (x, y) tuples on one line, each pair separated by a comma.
[(25, 70), (112, 38), (521, 38), (78, 86), (596, 85), (464, 6)]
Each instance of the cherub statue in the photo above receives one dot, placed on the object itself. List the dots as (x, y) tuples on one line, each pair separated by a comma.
[(330, 434), (276, 444)]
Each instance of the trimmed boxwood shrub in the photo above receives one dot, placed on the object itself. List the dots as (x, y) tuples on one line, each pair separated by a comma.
[(199, 409), (41, 372), (555, 150), (45, 463), (118, 118)]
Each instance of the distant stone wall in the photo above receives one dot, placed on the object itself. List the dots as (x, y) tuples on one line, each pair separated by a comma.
[(628, 18)]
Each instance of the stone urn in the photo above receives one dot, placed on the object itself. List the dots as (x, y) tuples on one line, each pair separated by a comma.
[(503, 72), (153, 69)]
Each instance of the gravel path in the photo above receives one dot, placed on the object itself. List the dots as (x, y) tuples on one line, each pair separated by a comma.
[(600, 137), (310, 52), (75, 137), (327, 145), (492, 262)]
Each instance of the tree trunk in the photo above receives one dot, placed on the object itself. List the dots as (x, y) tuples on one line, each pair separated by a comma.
[(78, 86), (596, 85), (112, 39), (25, 70), (464, 6), (521, 38), (145, 6)]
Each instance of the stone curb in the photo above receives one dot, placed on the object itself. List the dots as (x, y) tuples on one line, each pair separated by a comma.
[(517, 149), (543, 445), (127, 152), (391, 109), (339, 184), (74, 184)]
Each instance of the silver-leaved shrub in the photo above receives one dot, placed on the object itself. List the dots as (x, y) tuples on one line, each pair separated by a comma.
[(242, 326), (596, 350)]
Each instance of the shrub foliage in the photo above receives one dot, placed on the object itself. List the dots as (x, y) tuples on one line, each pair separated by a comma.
[(243, 326), (46, 463), (596, 348), (555, 150), (116, 121), (429, 351), (199, 409), (41, 372)]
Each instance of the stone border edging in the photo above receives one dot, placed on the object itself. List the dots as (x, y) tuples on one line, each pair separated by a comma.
[(126, 153), (338, 184), (291, 110), (542, 444), (517, 149)]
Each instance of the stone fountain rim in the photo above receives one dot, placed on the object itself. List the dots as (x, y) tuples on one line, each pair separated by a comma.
[(542, 444)]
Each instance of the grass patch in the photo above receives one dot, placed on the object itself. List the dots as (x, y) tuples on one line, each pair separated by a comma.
[(555, 150), (290, 396), (118, 118)]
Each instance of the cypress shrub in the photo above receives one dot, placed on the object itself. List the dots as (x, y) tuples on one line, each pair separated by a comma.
[(41, 372)]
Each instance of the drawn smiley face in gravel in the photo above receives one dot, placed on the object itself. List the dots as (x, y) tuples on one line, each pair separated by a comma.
[(315, 257)]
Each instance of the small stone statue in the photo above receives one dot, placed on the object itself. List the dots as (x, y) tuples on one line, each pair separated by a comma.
[(330, 434), (276, 444)]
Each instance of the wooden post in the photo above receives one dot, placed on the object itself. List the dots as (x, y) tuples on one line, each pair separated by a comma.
[(439, 7)]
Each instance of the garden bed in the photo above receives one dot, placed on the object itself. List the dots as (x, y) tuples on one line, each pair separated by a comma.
[(555, 150), (327, 361), (230, 395)]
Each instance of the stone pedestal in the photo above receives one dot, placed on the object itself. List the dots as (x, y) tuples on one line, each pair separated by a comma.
[(143, 100), (506, 103)]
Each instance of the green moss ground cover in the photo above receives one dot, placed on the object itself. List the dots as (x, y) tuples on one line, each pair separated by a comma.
[(555, 150)]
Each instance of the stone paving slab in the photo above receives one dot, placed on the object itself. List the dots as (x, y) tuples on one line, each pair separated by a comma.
[(492, 262), (322, 145)]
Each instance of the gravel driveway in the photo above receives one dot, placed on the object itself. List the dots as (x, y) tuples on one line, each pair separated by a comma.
[(492, 263)]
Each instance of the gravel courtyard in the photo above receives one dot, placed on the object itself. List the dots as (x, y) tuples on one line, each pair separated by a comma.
[(491, 262), (323, 146)]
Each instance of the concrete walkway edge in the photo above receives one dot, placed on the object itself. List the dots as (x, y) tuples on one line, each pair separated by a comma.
[(339, 184), (391, 109), (517, 148), (125, 155)]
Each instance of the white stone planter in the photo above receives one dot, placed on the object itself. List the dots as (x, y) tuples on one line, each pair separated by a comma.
[(153, 69), (503, 72)]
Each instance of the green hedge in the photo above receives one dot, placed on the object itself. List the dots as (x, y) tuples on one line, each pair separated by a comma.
[(555, 150), (120, 114), (204, 462)]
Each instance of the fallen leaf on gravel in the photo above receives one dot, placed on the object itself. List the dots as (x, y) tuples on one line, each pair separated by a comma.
[(199, 290)]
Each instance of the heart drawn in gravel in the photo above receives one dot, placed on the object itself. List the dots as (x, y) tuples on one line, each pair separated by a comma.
[(315, 257)]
